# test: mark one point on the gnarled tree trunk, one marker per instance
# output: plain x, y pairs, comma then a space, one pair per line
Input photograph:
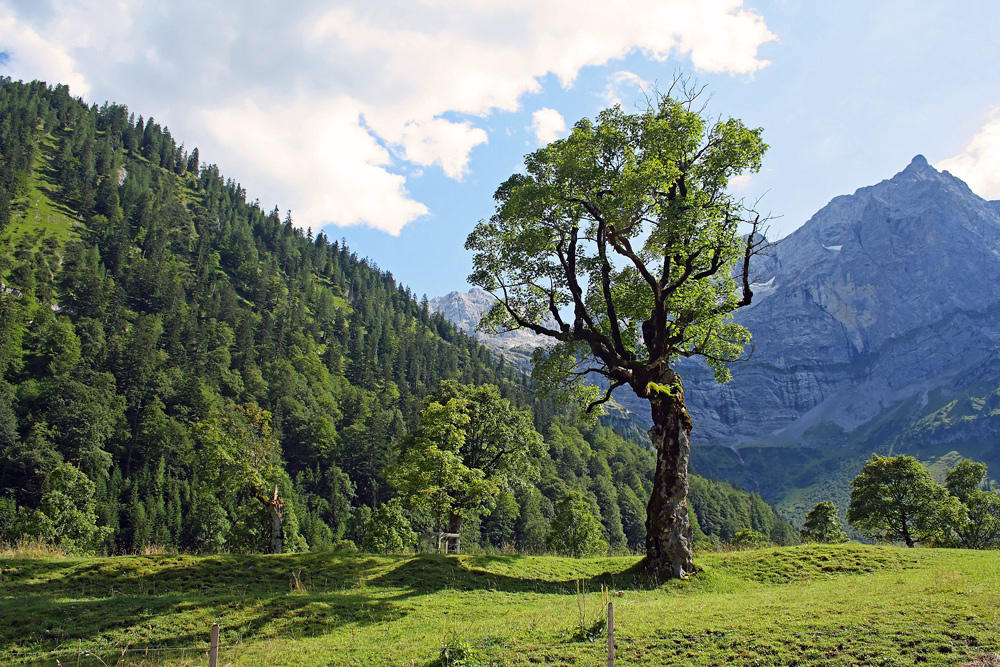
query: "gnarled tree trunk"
669, 541
276, 512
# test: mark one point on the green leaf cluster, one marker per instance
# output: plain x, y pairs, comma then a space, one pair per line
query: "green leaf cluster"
625, 224
979, 527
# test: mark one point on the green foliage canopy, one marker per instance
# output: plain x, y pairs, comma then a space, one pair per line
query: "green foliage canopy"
237, 453
894, 498
979, 528
430, 471
389, 530
620, 242
67, 515
470, 445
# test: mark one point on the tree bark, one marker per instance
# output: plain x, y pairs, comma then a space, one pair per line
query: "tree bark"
906, 531
669, 539
276, 512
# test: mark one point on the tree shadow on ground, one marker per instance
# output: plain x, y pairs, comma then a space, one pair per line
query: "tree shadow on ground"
430, 573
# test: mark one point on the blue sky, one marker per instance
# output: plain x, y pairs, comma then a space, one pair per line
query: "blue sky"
391, 123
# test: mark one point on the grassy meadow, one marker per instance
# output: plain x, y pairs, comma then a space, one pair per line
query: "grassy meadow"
805, 605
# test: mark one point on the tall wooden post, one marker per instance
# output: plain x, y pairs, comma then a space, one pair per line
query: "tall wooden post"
213, 651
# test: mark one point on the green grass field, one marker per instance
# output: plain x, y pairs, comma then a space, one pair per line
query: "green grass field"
807, 605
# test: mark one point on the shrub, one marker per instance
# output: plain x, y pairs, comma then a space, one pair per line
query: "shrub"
747, 539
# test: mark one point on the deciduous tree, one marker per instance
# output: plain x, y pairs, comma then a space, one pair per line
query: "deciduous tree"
894, 498
238, 455
67, 514
574, 530
980, 527
471, 445
623, 245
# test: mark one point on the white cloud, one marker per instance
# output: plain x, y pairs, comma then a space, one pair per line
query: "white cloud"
437, 141
622, 80
31, 56
979, 164
323, 103
321, 157
547, 124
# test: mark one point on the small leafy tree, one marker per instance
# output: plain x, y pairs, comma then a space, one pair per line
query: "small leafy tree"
498, 525
471, 445
532, 526
500, 439
210, 523
980, 528
389, 530
430, 472
574, 530
67, 515
622, 244
748, 539
238, 456
823, 525
895, 499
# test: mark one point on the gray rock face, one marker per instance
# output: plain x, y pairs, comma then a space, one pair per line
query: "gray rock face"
883, 299
464, 309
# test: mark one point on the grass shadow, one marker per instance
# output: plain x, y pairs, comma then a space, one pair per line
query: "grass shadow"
170, 601
433, 572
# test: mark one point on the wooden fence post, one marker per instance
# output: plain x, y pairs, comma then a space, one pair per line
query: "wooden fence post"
611, 634
213, 651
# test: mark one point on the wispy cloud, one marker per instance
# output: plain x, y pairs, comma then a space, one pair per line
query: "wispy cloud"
29, 55
621, 81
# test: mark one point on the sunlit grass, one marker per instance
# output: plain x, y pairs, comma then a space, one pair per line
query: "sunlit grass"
829, 605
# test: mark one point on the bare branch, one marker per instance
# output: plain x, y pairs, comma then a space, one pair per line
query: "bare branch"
526, 324
616, 334
711, 357
756, 243
607, 396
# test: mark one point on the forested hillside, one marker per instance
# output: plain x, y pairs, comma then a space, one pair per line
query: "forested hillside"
145, 302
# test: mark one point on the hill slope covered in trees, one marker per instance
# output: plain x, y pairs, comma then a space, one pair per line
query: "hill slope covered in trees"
145, 300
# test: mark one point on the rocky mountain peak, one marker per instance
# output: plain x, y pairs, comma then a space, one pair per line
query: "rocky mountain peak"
882, 297
465, 309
